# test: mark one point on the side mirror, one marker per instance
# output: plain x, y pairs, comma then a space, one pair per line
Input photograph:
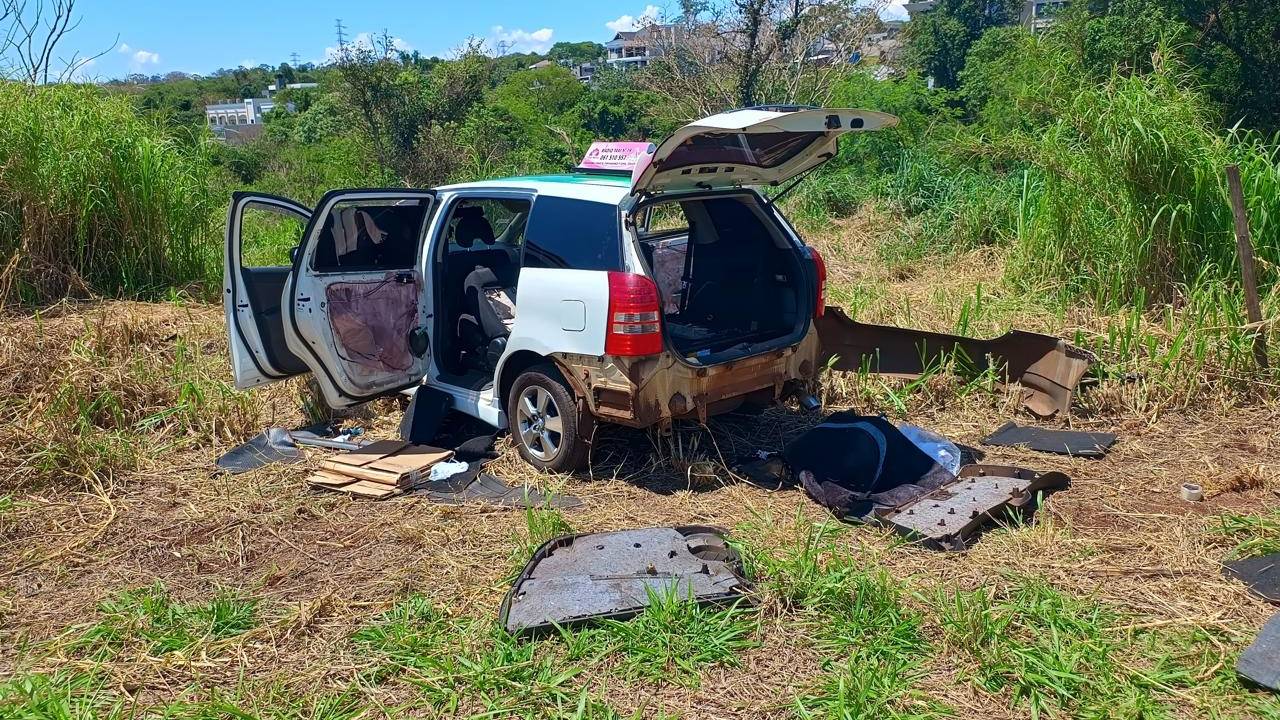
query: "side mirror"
293, 254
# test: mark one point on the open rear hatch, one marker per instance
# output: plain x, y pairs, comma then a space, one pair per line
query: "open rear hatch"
757, 146
733, 280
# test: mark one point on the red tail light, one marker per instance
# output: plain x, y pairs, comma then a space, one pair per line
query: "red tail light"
635, 312
820, 267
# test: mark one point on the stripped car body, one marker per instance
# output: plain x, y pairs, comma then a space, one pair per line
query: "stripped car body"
675, 289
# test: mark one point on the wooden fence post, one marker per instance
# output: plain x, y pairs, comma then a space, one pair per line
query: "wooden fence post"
1244, 247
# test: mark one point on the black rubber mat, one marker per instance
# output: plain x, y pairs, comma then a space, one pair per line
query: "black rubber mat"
1061, 442
1260, 662
1261, 574
273, 445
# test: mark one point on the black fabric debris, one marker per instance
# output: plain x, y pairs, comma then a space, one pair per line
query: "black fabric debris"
1260, 662
479, 447
273, 445
1061, 442
422, 418
852, 463
474, 486
1261, 574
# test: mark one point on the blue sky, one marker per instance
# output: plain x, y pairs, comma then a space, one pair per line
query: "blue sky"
160, 36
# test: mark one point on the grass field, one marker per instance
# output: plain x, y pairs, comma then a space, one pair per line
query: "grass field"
135, 583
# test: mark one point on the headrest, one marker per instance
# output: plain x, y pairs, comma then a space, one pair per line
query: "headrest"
472, 226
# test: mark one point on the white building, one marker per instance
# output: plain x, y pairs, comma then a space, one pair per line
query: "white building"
246, 112
1036, 15
250, 111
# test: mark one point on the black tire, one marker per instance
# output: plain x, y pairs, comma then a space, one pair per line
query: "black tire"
545, 424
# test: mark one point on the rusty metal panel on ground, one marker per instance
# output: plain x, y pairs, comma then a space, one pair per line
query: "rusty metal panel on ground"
947, 518
1047, 368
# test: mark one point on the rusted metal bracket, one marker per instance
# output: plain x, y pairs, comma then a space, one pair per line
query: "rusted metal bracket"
1047, 368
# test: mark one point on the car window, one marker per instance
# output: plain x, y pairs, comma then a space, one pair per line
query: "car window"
663, 219
573, 234
370, 234
766, 150
477, 223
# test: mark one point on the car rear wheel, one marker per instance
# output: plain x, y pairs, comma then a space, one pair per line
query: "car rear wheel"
545, 423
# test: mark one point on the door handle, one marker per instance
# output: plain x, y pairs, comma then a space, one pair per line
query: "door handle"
404, 277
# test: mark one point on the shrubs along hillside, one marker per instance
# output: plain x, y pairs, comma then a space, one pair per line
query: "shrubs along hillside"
95, 199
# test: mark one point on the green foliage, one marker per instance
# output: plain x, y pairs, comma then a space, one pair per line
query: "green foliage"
60, 696
576, 52
1052, 652
149, 618
1252, 535
94, 199
938, 41
674, 638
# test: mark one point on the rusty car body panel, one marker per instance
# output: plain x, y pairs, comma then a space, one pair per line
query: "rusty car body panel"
640, 392
1047, 368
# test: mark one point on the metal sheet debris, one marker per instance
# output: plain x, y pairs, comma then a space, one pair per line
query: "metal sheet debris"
949, 517
1061, 442
1047, 368
580, 578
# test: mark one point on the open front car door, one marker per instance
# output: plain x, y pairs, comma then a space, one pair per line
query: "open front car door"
262, 231
358, 303
757, 146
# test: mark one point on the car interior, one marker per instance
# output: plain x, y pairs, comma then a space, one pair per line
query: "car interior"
477, 274
729, 279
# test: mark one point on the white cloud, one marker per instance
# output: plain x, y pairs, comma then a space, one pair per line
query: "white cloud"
626, 23
894, 10
124, 47
142, 58
520, 41
250, 63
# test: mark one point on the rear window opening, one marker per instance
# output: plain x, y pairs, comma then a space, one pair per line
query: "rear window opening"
731, 282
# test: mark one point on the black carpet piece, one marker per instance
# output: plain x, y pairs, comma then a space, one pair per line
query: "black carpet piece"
1261, 574
1061, 442
273, 445
1260, 662
421, 421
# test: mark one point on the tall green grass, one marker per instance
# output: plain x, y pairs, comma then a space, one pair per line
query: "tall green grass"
1108, 189
95, 200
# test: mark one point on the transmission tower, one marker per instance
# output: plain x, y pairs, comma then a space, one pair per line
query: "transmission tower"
294, 58
342, 36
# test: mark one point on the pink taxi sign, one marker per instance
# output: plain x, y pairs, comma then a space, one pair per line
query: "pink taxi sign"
615, 155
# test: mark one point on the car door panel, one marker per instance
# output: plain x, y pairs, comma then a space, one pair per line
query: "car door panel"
252, 294
358, 310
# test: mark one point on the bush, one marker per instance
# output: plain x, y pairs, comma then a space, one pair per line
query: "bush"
95, 200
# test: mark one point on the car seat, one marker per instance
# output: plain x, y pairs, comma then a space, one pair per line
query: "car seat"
472, 226
490, 303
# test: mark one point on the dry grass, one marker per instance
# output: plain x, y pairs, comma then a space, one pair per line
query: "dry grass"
321, 567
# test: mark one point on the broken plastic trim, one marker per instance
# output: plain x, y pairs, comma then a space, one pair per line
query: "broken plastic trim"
1047, 368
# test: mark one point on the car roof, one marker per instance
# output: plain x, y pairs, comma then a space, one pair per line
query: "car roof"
590, 187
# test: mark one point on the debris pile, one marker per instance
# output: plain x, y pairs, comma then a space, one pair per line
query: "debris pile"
380, 469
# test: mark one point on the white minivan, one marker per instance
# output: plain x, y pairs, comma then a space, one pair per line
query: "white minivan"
546, 304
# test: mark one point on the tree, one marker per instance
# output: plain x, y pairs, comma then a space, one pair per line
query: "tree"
738, 53
406, 115
29, 38
1232, 47
576, 53
938, 41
